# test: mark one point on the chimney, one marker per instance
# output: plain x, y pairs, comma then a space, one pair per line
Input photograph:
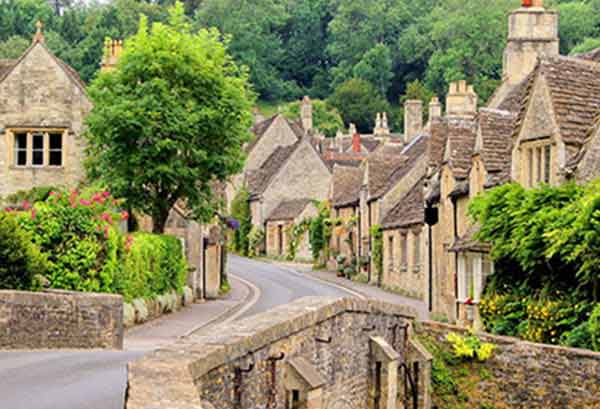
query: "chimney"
461, 100
112, 52
435, 108
356, 142
532, 33
39, 33
413, 119
381, 125
306, 113
352, 129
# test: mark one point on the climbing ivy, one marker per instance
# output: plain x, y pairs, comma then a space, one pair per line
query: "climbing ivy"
377, 239
320, 233
295, 233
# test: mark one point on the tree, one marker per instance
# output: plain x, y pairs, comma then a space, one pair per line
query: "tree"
13, 47
414, 90
325, 118
376, 67
585, 46
170, 120
358, 102
578, 21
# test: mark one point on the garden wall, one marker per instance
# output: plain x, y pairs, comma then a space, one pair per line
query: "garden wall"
60, 319
530, 375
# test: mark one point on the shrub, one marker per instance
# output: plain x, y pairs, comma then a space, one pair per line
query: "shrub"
255, 241
240, 210
326, 118
470, 347
377, 239
20, 258
36, 194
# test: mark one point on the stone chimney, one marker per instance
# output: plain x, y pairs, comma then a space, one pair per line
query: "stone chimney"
435, 108
413, 119
352, 129
461, 99
112, 52
38, 37
532, 33
381, 125
356, 142
306, 113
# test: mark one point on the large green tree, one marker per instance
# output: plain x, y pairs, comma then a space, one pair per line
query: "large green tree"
170, 120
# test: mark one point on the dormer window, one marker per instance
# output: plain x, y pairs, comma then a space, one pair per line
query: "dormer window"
537, 163
38, 148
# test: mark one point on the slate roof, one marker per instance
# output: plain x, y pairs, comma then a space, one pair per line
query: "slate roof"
496, 129
411, 154
258, 180
574, 86
347, 182
469, 243
380, 168
460, 145
369, 142
289, 209
593, 55
6, 66
261, 128
409, 211
512, 100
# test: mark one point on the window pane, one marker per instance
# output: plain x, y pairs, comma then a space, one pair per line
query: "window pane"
21, 158
404, 249
417, 250
21, 140
38, 141
530, 166
55, 158
37, 158
547, 158
538, 152
55, 141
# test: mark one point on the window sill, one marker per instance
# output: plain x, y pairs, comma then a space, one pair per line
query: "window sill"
32, 167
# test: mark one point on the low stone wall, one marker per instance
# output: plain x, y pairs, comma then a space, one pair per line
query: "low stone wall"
142, 310
324, 353
60, 319
530, 375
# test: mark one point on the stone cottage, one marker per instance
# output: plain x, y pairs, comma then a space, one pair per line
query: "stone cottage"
279, 224
43, 103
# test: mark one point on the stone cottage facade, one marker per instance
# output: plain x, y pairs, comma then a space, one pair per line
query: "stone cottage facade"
43, 104
287, 215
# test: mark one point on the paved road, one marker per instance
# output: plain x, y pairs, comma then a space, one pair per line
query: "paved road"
96, 380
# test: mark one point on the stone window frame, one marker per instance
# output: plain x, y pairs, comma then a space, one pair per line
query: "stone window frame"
473, 269
403, 250
416, 251
537, 161
11, 134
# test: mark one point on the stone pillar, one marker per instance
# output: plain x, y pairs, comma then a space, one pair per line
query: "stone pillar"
413, 119
532, 33
461, 99
385, 359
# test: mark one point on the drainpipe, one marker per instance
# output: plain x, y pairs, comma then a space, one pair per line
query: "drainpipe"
431, 219
204, 248
455, 217
359, 238
370, 243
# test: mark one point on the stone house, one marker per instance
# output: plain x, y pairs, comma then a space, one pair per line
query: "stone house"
43, 103
285, 216
539, 127
345, 204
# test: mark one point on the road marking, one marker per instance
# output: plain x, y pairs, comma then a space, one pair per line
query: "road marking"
320, 281
249, 302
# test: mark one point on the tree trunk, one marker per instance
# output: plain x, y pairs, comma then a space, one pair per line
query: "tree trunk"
159, 220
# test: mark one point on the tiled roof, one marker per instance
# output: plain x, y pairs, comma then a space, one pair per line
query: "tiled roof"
289, 209
347, 182
437, 141
496, 129
469, 243
5, 66
460, 145
411, 154
369, 142
258, 180
409, 211
512, 100
574, 86
380, 168
261, 128
593, 55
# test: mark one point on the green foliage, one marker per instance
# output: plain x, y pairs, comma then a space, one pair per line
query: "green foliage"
325, 118
255, 241
320, 233
20, 258
470, 347
578, 21
415, 90
377, 240
37, 194
585, 46
240, 210
152, 265
170, 120
295, 233
358, 101
376, 67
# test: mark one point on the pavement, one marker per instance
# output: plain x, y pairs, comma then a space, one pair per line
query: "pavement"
97, 379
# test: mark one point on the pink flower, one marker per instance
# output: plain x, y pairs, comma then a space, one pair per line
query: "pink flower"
8, 209
85, 202
105, 194
72, 198
33, 214
97, 198
52, 194
26, 205
124, 215
106, 217
128, 243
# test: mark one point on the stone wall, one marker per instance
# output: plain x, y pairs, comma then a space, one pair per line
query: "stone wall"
324, 351
529, 375
60, 319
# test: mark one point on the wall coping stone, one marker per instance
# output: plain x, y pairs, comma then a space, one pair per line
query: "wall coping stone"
505, 340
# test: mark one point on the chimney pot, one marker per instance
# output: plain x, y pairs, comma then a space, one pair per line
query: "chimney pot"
306, 113
356, 142
461, 100
435, 108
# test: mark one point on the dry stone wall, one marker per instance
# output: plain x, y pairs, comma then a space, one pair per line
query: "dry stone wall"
60, 319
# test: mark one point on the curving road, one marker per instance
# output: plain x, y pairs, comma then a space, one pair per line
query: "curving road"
97, 379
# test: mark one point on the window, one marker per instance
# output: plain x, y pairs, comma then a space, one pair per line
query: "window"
403, 251
417, 253
38, 148
294, 402
547, 159
21, 149
37, 157
538, 163
55, 150
391, 251
530, 180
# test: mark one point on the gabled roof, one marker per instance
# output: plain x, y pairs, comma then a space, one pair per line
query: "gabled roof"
289, 209
258, 180
411, 154
409, 211
379, 168
347, 182
495, 139
574, 87
261, 128
512, 100
7, 66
